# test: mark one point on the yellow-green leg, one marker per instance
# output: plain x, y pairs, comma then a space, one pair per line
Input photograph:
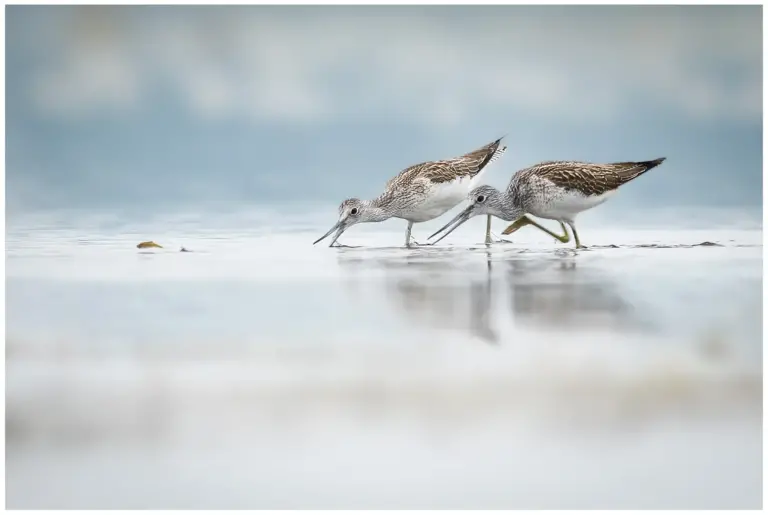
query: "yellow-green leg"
576, 235
522, 222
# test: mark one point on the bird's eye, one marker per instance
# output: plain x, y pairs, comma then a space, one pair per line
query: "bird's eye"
354, 211
481, 198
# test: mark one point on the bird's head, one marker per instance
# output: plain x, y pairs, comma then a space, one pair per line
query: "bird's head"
352, 211
483, 200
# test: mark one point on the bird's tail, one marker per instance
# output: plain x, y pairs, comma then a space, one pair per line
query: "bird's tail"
632, 170
489, 153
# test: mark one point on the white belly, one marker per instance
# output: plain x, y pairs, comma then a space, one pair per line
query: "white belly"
566, 205
441, 198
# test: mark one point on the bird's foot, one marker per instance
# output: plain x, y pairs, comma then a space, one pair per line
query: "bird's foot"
498, 239
414, 243
495, 239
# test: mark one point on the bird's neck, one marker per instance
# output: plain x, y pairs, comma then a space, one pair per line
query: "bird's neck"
511, 209
376, 210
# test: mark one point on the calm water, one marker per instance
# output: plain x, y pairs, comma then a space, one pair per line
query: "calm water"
258, 371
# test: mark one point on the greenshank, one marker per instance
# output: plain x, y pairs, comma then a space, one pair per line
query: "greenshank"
421, 192
554, 190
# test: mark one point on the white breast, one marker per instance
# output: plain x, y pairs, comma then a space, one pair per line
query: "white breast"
441, 198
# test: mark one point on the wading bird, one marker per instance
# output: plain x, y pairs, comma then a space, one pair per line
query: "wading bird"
421, 192
555, 190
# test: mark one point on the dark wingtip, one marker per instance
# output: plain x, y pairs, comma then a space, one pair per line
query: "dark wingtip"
654, 163
491, 149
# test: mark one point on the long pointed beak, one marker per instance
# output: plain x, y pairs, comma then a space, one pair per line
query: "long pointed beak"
324, 236
454, 224
338, 225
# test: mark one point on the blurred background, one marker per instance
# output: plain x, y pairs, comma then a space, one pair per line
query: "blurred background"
153, 106
258, 371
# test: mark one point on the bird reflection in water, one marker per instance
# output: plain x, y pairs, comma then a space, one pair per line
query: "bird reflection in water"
551, 292
430, 292
559, 294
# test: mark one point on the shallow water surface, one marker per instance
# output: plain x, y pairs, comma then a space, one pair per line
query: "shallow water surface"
259, 371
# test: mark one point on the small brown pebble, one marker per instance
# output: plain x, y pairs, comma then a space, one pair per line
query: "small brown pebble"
148, 244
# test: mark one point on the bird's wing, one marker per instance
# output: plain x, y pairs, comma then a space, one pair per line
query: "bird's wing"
590, 178
472, 163
448, 170
406, 177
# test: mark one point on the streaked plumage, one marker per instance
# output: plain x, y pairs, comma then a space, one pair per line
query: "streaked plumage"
421, 192
555, 190
589, 179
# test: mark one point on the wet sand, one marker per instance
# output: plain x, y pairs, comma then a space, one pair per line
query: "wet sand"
258, 371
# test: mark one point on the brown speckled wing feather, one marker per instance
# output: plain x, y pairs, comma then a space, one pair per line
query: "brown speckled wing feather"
448, 170
592, 179
474, 162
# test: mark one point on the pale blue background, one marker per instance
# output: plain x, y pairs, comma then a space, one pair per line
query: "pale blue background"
126, 107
